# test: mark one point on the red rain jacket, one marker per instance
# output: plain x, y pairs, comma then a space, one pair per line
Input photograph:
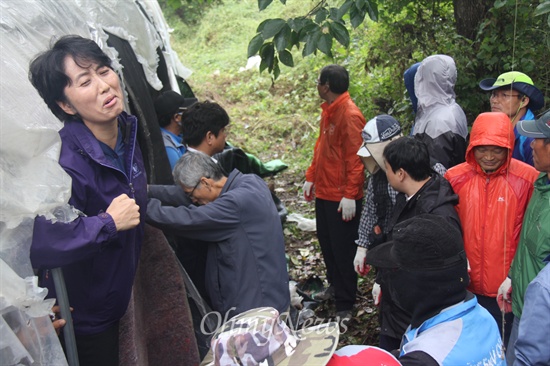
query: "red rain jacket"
491, 206
336, 170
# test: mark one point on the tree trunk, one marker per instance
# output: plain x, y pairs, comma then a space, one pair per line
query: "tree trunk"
469, 14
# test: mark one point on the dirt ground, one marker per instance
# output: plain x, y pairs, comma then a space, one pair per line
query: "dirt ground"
305, 261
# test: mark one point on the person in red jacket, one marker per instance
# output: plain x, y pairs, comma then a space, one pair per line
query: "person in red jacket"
493, 190
335, 178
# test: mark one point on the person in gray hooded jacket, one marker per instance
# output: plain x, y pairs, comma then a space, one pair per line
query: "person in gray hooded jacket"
440, 122
236, 216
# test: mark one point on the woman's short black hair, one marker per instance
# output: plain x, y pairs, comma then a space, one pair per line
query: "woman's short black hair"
47, 70
337, 78
411, 155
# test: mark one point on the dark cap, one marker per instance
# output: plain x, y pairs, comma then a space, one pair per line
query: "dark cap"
380, 129
425, 241
518, 81
538, 129
170, 102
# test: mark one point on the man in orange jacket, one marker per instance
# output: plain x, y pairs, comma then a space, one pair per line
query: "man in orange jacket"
335, 178
493, 190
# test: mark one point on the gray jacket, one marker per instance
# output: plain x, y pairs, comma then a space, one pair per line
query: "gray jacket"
246, 265
440, 121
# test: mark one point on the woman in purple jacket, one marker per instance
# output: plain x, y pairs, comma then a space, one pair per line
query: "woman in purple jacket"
99, 251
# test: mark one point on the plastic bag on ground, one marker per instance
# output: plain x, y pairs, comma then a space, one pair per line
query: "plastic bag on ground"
304, 223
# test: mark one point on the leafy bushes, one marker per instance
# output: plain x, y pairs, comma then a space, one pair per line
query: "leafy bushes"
278, 119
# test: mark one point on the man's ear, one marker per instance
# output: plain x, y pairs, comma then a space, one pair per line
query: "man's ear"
176, 119
524, 101
67, 108
401, 174
209, 137
206, 182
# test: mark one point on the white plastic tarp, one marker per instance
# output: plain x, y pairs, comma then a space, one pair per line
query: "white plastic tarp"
31, 181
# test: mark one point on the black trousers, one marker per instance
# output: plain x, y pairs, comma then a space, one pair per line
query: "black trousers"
490, 303
337, 240
98, 349
389, 343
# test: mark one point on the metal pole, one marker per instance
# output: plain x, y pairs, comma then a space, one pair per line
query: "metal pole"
68, 330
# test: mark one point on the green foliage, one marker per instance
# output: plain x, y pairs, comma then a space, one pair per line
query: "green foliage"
262, 4
542, 9
280, 120
513, 38
316, 31
188, 11
270, 121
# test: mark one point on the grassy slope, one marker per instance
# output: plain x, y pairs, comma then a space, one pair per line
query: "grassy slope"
277, 121
271, 121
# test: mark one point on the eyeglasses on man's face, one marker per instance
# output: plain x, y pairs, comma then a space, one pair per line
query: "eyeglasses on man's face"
499, 94
190, 194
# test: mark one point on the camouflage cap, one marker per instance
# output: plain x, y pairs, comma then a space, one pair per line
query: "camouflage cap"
261, 337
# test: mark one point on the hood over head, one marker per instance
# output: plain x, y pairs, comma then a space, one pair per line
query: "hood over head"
408, 78
491, 128
435, 80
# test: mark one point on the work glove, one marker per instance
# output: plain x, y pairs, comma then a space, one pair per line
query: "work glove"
347, 208
376, 293
504, 295
308, 191
359, 262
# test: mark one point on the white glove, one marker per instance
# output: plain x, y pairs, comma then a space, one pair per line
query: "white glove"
504, 295
308, 191
376, 293
505, 289
359, 261
347, 207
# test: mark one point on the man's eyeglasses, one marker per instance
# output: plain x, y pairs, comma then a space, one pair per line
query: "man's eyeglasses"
190, 194
502, 95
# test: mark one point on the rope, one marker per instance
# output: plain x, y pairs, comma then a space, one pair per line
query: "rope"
503, 321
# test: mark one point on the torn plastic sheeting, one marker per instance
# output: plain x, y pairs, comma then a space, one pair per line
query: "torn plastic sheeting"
304, 223
171, 57
32, 182
25, 325
25, 338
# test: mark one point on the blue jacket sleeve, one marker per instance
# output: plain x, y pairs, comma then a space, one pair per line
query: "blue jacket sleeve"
215, 221
170, 195
173, 156
59, 244
533, 343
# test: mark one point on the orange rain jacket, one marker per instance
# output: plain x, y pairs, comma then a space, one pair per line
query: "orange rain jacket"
336, 170
491, 206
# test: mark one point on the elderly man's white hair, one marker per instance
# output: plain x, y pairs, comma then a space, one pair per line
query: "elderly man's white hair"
192, 166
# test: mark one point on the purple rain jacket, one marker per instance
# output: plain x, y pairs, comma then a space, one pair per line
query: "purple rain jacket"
98, 262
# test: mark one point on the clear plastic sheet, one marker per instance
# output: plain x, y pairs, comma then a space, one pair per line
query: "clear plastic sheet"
31, 181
